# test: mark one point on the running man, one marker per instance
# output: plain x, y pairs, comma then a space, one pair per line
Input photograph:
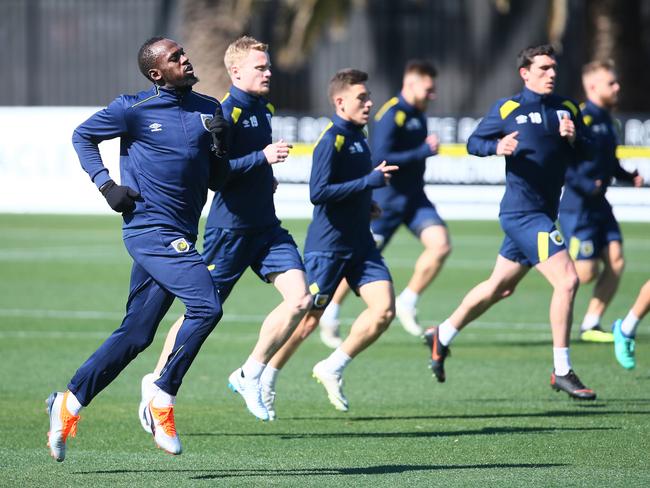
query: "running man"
540, 134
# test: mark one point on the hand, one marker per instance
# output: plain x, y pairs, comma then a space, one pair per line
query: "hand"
121, 198
375, 210
507, 144
386, 170
598, 187
432, 142
637, 179
220, 130
275, 184
567, 128
277, 152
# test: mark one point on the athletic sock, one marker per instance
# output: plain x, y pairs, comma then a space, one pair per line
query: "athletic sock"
561, 361
337, 361
331, 313
630, 322
446, 333
408, 298
252, 368
163, 399
72, 404
590, 321
269, 377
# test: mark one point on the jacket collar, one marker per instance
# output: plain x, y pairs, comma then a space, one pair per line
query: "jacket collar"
530, 96
247, 100
346, 125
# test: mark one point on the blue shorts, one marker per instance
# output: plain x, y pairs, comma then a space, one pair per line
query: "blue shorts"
418, 214
229, 253
589, 232
531, 238
325, 270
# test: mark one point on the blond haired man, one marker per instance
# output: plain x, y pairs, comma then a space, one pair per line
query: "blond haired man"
242, 229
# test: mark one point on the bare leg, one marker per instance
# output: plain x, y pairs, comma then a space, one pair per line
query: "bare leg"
437, 248
642, 304
169, 345
609, 279
302, 331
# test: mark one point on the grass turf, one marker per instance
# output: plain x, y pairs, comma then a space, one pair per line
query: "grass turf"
495, 422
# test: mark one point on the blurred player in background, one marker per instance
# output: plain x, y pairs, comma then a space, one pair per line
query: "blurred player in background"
625, 329
540, 135
586, 217
339, 243
242, 229
399, 136
165, 165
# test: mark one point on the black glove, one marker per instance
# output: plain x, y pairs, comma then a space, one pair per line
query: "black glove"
220, 130
120, 198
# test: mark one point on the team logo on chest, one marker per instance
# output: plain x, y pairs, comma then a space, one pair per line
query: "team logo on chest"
155, 127
355, 148
413, 124
205, 118
252, 122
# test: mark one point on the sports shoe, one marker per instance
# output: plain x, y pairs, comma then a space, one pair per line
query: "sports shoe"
62, 424
408, 318
330, 333
623, 347
571, 384
148, 390
162, 426
251, 392
596, 334
333, 384
268, 399
438, 353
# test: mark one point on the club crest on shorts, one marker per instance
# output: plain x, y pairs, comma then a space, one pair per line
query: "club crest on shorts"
181, 245
205, 118
556, 238
320, 300
587, 248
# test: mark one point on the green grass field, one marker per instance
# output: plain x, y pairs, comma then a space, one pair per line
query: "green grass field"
496, 422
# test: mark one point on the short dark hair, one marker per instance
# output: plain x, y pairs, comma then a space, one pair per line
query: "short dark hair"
344, 78
146, 56
525, 56
421, 67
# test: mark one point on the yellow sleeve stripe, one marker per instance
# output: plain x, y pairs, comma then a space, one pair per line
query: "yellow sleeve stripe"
400, 118
338, 143
314, 288
587, 119
507, 108
270, 108
572, 107
385, 107
327, 127
236, 112
542, 246
574, 247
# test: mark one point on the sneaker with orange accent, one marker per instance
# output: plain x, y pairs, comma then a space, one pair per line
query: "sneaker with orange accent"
438, 353
163, 427
62, 424
571, 384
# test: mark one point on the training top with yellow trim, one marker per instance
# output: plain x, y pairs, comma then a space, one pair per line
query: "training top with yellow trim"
580, 190
245, 201
340, 187
164, 155
398, 137
535, 172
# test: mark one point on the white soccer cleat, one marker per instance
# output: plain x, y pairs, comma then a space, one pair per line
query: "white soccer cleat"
333, 384
408, 318
148, 390
163, 427
330, 333
251, 392
62, 424
268, 399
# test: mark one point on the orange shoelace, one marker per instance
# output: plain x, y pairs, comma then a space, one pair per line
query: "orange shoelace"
165, 417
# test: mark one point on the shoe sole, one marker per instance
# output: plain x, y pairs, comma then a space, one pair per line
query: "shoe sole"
234, 389
571, 395
338, 406
49, 402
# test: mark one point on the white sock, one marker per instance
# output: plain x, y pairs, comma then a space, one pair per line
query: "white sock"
628, 327
408, 298
163, 399
561, 361
331, 313
446, 333
72, 404
269, 377
337, 361
252, 368
590, 321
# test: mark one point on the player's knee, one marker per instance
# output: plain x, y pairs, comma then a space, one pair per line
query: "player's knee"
443, 251
299, 305
212, 312
383, 316
617, 265
568, 284
588, 274
308, 325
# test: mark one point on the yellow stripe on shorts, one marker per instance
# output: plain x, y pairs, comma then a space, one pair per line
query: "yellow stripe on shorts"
542, 246
574, 248
314, 288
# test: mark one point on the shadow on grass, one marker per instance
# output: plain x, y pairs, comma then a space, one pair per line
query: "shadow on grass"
417, 434
367, 470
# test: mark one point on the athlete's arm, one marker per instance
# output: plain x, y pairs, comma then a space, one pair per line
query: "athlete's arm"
384, 135
485, 138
